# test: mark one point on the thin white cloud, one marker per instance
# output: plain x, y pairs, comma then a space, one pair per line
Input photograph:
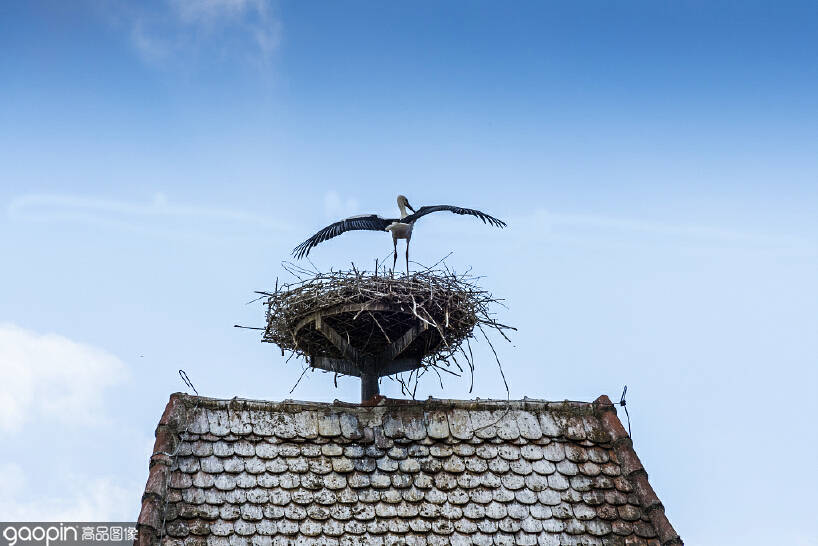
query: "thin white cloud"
591, 225
336, 207
178, 32
543, 225
197, 11
151, 48
553, 220
84, 498
158, 215
50, 376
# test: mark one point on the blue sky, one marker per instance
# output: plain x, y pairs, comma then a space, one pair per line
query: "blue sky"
657, 164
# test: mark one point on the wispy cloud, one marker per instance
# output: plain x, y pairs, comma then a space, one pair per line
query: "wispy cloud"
84, 498
542, 226
176, 32
50, 381
151, 48
613, 228
50, 376
336, 207
596, 223
159, 215
211, 11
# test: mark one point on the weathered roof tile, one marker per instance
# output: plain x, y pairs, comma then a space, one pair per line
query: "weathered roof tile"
437, 425
460, 424
414, 426
507, 428
549, 425
567, 468
529, 425
306, 424
239, 421
554, 452
350, 427
203, 480
483, 424
543, 466
199, 423
393, 425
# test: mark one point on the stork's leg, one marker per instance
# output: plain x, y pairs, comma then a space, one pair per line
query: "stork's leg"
394, 255
407, 257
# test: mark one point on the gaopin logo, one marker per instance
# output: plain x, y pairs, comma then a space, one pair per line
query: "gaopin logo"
67, 534
40, 534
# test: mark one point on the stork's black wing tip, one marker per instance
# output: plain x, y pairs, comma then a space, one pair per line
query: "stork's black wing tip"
496, 222
301, 250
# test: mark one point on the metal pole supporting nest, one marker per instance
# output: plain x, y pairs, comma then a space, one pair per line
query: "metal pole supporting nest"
369, 385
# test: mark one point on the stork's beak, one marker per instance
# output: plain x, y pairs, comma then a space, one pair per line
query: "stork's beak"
408, 206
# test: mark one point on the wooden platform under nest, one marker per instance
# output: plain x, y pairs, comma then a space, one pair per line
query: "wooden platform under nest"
395, 340
370, 324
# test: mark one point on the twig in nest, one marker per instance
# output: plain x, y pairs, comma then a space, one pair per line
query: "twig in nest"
497, 358
304, 371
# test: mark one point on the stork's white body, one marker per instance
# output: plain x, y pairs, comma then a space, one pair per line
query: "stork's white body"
401, 230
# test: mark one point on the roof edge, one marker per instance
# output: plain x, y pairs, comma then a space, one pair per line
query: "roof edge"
633, 470
154, 500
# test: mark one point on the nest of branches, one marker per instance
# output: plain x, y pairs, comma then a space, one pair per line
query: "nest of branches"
373, 309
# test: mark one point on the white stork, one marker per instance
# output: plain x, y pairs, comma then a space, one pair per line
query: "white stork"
401, 228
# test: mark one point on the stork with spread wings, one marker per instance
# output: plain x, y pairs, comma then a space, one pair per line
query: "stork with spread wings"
401, 228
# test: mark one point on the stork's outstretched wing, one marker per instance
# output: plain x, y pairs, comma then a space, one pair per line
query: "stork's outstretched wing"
371, 222
423, 211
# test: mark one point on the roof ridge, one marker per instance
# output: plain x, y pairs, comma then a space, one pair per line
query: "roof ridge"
435, 403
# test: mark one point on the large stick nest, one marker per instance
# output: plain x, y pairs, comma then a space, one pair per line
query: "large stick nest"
373, 309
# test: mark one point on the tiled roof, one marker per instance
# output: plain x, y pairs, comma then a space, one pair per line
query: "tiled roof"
239, 472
